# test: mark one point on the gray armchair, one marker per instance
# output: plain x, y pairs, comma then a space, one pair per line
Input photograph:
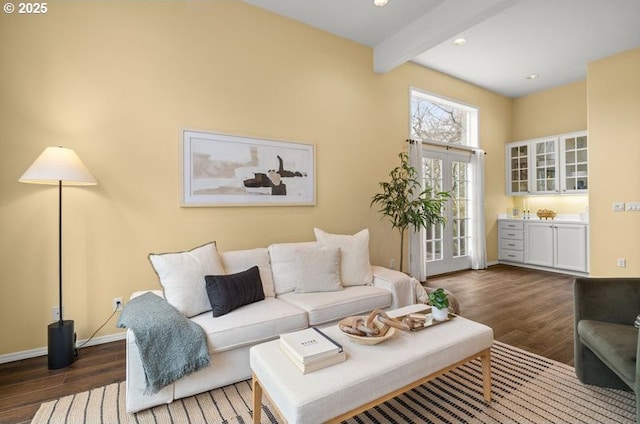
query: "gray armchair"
606, 344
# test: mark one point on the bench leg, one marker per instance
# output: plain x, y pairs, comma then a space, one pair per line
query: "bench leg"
486, 374
257, 399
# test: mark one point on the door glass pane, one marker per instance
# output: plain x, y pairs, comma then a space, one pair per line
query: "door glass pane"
571, 143
433, 180
582, 142
460, 213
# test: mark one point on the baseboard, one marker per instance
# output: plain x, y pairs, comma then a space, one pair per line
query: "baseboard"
42, 351
544, 268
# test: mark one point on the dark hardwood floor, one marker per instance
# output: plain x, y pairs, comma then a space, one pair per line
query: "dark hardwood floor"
529, 309
25, 384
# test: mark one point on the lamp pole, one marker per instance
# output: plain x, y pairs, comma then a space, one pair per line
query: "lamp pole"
60, 321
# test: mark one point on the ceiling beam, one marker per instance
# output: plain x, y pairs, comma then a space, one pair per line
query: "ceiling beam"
448, 19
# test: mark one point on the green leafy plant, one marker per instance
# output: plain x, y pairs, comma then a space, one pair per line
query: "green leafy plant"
406, 204
438, 299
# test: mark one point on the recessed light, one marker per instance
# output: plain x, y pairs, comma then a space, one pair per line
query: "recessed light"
532, 76
460, 41
380, 3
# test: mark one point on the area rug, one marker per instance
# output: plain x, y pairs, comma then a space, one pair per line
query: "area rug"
526, 389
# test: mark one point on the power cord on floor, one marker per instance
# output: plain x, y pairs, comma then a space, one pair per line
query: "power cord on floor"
118, 305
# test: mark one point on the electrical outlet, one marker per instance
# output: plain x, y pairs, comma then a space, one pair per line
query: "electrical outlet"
622, 263
55, 313
117, 304
392, 264
618, 206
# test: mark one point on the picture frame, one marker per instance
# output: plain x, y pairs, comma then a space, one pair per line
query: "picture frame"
229, 170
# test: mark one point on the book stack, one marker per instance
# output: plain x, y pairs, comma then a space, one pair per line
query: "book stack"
311, 349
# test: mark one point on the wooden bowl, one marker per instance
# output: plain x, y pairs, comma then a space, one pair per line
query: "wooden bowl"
371, 340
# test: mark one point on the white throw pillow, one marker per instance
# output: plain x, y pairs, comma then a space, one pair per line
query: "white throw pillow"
318, 271
182, 275
235, 261
284, 258
355, 268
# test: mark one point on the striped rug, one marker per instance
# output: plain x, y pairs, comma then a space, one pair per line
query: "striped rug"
526, 389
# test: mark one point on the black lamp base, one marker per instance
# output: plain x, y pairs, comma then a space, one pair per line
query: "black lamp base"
61, 344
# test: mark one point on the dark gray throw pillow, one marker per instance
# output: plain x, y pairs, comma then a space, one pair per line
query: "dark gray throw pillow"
228, 292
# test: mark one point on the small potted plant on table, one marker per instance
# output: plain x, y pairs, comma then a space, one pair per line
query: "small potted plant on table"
439, 304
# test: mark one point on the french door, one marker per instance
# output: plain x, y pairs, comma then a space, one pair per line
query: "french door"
448, 247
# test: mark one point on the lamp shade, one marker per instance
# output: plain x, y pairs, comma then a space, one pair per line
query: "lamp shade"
55, 165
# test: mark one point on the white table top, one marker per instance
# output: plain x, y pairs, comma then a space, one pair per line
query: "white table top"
369, 371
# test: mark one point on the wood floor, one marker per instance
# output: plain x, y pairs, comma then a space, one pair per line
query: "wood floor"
529, 309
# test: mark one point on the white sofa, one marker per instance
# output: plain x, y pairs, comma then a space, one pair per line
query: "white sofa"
284, 309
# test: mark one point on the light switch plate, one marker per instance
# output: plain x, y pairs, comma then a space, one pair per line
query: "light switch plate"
632, 206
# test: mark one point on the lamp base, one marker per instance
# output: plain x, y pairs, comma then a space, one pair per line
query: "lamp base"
61, 344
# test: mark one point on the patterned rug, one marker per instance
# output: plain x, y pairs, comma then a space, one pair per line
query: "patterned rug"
526, 389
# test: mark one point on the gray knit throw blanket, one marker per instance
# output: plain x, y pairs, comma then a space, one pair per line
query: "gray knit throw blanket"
170, 345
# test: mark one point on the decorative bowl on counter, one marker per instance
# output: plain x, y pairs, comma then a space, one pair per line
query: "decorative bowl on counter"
546, 213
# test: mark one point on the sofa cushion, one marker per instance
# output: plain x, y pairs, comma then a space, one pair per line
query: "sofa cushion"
614, 344
330, 306
318, 271
182, 274
284, 264
254, 323
229, 292
239, 260
355, 269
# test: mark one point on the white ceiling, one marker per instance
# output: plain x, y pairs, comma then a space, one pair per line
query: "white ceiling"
507, 40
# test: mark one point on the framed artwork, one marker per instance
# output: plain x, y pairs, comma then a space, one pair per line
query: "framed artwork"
227, 170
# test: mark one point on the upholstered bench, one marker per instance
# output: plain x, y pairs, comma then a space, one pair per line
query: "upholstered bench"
371, 374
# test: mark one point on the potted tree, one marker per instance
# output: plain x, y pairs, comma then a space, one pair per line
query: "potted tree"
406, 203
439, 304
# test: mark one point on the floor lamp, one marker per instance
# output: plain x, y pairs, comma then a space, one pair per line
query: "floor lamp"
59, 166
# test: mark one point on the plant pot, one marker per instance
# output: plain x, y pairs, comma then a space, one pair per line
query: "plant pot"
439, 314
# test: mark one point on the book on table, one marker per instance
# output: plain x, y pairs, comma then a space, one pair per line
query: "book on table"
309, 345
316, 365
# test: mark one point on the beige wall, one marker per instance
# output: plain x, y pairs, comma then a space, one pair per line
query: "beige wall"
555, 111
614, 156
118, 81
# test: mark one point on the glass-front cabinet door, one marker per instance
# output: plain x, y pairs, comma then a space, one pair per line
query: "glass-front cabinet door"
518, 168
545, 165
551, 165
574, 155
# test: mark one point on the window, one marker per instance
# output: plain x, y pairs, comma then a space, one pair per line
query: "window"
440, 120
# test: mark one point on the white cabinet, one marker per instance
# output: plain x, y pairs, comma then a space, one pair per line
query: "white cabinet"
571, 247
517, 155
550, 165
539, 241
544, 244
511, 235
556, 245
545, 165
574, 163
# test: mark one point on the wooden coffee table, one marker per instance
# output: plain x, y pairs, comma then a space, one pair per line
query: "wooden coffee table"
371, 374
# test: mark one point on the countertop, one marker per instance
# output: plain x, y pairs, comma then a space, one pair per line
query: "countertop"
559, 219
